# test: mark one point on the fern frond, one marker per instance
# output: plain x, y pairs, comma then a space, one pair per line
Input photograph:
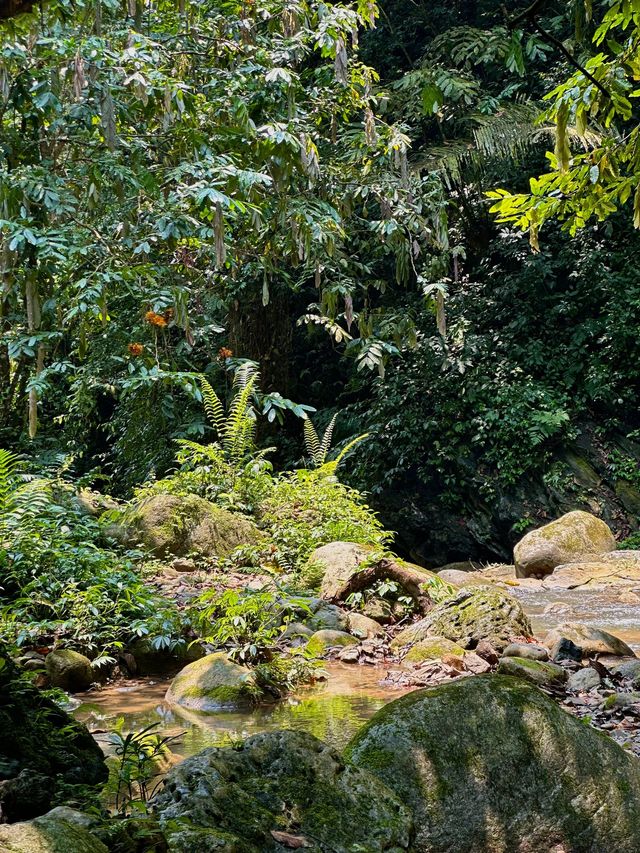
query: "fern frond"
311, 441
9, 463
327, 437
349, 447
236, 428
213, 406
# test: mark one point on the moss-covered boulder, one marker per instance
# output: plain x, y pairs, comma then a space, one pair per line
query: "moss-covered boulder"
69, 670
320, 642
489, 764
42, 749
49, 834
471, 615
180, 525
565, 540
213, 683
592, 641
542, 673
432, 648
277, 787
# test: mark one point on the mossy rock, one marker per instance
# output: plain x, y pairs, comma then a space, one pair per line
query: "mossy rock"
542, 673
432, 648
320, 642
177, 525
490, 764
471, 615
42, 748
213, 683
287, 782
48, 834
69, 670
565, 540
364, 627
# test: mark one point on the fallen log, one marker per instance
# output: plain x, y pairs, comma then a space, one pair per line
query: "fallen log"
411, 581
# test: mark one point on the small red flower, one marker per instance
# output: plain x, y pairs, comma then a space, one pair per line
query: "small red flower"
135, 349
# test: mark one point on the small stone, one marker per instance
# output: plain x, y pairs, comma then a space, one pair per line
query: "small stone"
583, 680
629, 597
629, 669
363, 627
322, 641
526, 650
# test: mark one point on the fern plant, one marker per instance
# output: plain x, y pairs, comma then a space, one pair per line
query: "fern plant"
318, 449
236, 429
21, 497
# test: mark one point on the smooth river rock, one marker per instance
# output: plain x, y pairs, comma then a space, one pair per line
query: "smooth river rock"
565, 540
592, 641
489, 764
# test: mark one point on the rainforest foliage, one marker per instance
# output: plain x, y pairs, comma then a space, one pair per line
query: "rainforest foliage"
418, 217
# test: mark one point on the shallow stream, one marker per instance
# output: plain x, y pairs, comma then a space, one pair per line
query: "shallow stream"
335, 709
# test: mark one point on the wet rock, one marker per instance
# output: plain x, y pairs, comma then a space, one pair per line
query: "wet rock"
363, 627
180, 525
51, 833
213, 683
583, 680
69, 670
538, 672
322, 641
529, 651
350, 654
432, 648
287, 782
513, 772
565, 540
591, 640
472, 615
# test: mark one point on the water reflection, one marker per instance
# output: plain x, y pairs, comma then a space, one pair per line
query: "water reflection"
332, 711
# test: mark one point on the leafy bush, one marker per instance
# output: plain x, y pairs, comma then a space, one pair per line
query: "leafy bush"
60, 581
307, 509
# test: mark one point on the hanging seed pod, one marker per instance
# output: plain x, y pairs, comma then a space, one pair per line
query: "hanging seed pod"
79, 79
341, 63
218, 231
370, 135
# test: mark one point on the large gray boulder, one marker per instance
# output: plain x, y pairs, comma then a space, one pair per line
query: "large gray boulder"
489, 764
471, 615
279, 791
181, 525
565, 540
592, 641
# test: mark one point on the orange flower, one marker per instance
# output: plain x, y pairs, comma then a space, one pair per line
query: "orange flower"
168, 314
224, 352
155, 319
135, 349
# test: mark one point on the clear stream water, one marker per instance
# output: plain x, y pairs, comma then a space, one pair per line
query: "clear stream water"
335, 709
